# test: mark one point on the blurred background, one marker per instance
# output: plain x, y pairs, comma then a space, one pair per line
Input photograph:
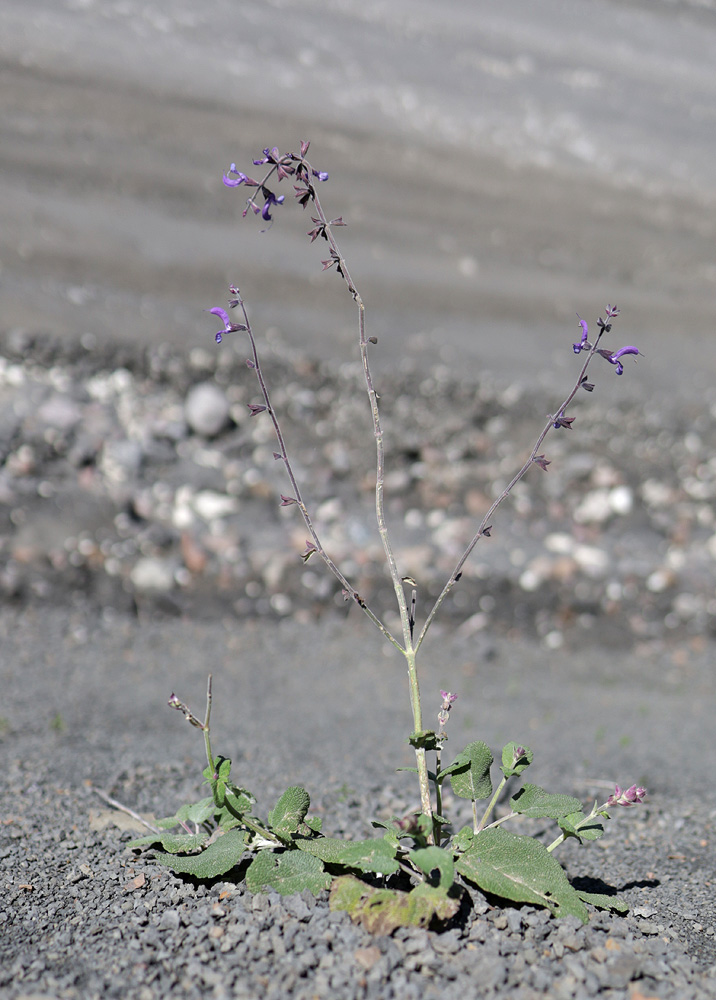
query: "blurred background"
501, 167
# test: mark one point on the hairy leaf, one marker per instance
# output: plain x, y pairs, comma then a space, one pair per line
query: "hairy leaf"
218, 858
470, 772
196, 812
287, 872
428, 859
382, 911
603, 901
463, 838
290, 811
591, 829
520, 868
514, 763
173, 843
364, 855
531, 800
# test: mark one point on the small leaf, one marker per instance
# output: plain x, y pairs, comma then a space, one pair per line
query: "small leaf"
218, 858
591, 828
521, 869
287, 873
463, 838
428, 859
603, 901
290, 811
533, 801
424, 739
472, 779
515, 758
365, 855
196, 812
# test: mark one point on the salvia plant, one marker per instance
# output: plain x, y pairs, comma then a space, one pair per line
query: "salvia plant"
414, 870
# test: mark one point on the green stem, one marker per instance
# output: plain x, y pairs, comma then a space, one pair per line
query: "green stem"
491, 806
206, 727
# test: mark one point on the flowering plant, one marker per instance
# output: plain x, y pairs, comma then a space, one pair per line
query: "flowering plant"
411, 872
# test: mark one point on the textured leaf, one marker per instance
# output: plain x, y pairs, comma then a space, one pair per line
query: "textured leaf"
472, 780
288, 872
428, 859
196, 812
365, 855
218, 858
382, 911
520, 868
603, 901
531, 800
510, 767
290, 810
173, 843
463, 838
591, 830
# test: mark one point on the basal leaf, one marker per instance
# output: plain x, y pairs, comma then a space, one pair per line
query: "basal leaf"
364, 855
290, 810
287, 872
471, 780
520, 868
603, 901
382, 911
515, 758
218, 858
531, 800
428, 859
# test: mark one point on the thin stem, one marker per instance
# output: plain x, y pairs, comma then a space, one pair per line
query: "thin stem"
491, 806
297, 495
207, 728
485, 523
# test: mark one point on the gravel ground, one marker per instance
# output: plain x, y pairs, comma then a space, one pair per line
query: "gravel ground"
137, 479
142, 544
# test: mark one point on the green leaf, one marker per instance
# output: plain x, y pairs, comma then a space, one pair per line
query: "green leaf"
289, 812
428, 859
218, 858
463, 838
521, 869
590, 828
196, 812
514, 763
364, 855
287, 872
472, 779
425, 739
603, 901
531, 800
382, 911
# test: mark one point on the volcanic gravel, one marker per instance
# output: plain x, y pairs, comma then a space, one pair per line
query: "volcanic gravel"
136, 486
138, 480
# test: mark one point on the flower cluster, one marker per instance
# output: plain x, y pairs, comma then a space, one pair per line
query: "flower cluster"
613, 357
626, 796
283, 165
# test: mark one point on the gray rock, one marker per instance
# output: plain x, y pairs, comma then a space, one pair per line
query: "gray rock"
206, 409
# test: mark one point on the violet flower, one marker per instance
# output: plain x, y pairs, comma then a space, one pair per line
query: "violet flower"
271, 200
239, 179
228, 327
613, 359
583, 344
627, 796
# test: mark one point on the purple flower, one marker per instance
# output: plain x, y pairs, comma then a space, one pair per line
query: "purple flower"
561, 421
583, 344
627, 796
271, 200
228, 328
239, 179
320, 175
613, 359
